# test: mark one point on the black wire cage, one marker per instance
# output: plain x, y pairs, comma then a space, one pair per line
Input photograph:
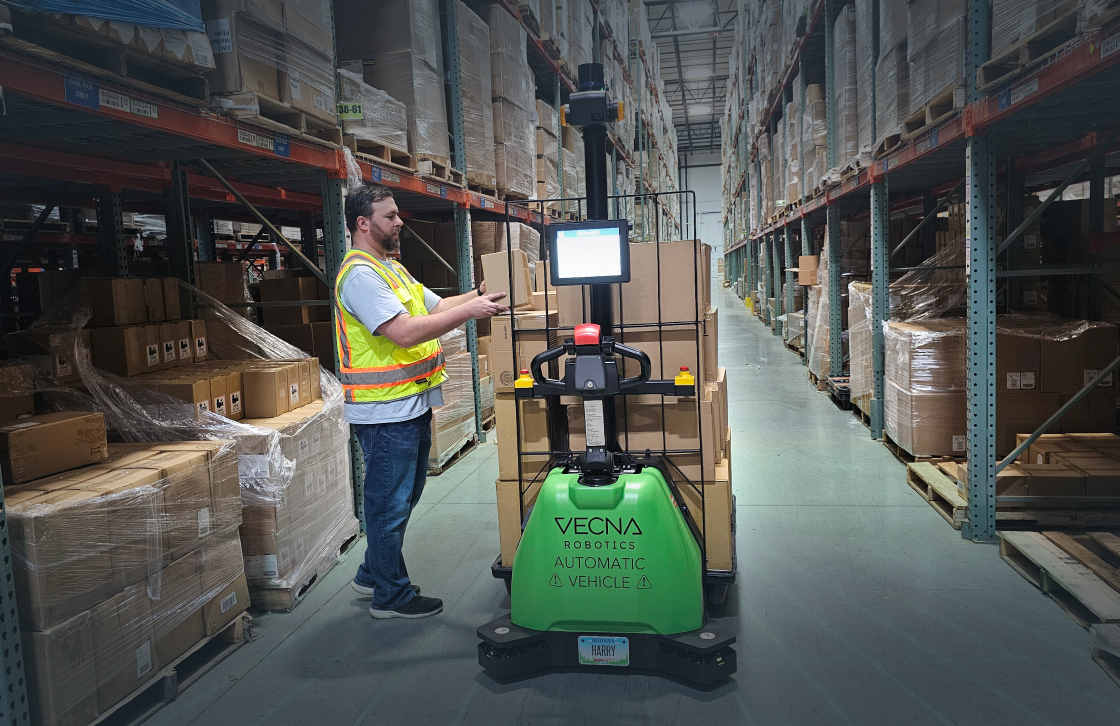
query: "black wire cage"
530, 473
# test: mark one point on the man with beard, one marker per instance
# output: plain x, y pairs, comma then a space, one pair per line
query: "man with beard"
391, 366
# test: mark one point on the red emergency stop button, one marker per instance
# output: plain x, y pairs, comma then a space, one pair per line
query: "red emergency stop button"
587, 334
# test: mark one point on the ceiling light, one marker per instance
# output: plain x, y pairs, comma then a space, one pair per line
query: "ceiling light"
697, 74
699, 109
694, 14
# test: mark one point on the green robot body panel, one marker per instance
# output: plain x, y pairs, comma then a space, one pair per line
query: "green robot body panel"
607, 559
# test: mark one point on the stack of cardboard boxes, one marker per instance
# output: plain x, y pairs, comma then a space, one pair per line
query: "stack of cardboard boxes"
453, 423
1040, 364
298, 505
400, 51
478, 113
121, 567
548, 149
514, 104
272, 56
664, 290
307, 327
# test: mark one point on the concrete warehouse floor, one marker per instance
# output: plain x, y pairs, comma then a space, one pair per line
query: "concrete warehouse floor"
856, 604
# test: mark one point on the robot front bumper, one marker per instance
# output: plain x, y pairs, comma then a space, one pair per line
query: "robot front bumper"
702, 657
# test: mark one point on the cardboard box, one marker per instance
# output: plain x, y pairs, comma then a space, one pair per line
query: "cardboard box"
1018, 363
807, 266
926, 424
1017, 413
926, 357
532, 339
315, 339
172, 305
115, 301
711, 345
18, 406
123, 642
1095, 413
518, 286
61, 671
714, 516
130, 502
196, 392
127, 351
169, 337
266, 391
1101, 472
305, 382
306, 78
289, 289
670, 350
39, 446
234, 397
200, 350
223, 583
177, 614
533, 434
1068, 365
512, 504
219, 402
58, 573
186, 515
153, 300
246, 51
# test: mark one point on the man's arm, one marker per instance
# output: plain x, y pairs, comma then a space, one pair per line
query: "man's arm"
407, 331
453, 302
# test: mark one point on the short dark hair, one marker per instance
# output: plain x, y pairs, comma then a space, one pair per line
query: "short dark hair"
360, 200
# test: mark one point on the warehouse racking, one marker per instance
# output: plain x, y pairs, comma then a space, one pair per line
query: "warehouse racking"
76, 135
1048, 124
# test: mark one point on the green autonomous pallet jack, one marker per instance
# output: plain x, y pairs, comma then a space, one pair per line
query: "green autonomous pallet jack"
609, 573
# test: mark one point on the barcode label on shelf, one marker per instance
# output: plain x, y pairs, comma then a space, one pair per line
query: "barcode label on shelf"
1018, 94
248, 137
432, 189
111, 99
229, 601
143, 108
1110, 45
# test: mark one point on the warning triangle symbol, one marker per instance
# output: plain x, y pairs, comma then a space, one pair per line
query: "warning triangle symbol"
644, 583
555, 581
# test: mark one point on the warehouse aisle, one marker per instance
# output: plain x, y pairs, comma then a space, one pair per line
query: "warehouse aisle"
857, 604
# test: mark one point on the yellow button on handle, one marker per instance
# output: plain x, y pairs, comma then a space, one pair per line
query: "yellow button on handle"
524, 380
684, 378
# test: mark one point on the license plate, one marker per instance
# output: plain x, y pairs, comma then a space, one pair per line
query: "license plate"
599, 651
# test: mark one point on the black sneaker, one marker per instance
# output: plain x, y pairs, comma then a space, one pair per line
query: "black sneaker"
368, 591
417, 607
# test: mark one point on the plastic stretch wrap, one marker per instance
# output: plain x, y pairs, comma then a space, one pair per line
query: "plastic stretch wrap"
817, 322
404, 44
510, 77
181, 14
861, 381
892, 92
815, 127
384, 119
1014, 20
936, 49
865, 70
293, 469
514, 148
478, 116
847, 93
489, 237
453, 423
1094, 12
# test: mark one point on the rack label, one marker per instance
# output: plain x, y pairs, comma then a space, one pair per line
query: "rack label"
82, 92
143, 108
349, 111
1018, 94
114, 100
432, 188
1110, 45
248, 137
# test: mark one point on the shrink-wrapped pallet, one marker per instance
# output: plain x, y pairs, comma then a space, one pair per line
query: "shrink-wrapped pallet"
403, 57
936, 31
478, 115
382, 119
844, 82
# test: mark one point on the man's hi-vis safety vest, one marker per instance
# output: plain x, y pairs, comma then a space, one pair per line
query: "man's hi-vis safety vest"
374, 368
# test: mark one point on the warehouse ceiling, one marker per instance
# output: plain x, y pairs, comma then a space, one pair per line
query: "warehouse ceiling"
695, 38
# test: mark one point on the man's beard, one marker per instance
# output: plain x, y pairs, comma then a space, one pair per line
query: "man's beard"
391, 242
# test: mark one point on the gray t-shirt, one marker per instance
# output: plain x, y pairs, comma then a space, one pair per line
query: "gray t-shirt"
370, 299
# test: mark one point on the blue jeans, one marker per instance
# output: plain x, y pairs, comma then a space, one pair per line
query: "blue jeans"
396, 458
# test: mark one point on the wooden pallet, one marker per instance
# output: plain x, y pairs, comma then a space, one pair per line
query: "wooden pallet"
947, 102
489, 422
482, 184
889, 143
1079, 572
791, 347
1101, 20
180, 674
529, 18
1061, 29
860, 409
839, 391
468, 444
939, 491
439, 168
907, 458
268, 113
820, 384
284, 599
380, 153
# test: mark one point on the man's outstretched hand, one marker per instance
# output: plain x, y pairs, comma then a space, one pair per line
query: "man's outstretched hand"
486, 306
